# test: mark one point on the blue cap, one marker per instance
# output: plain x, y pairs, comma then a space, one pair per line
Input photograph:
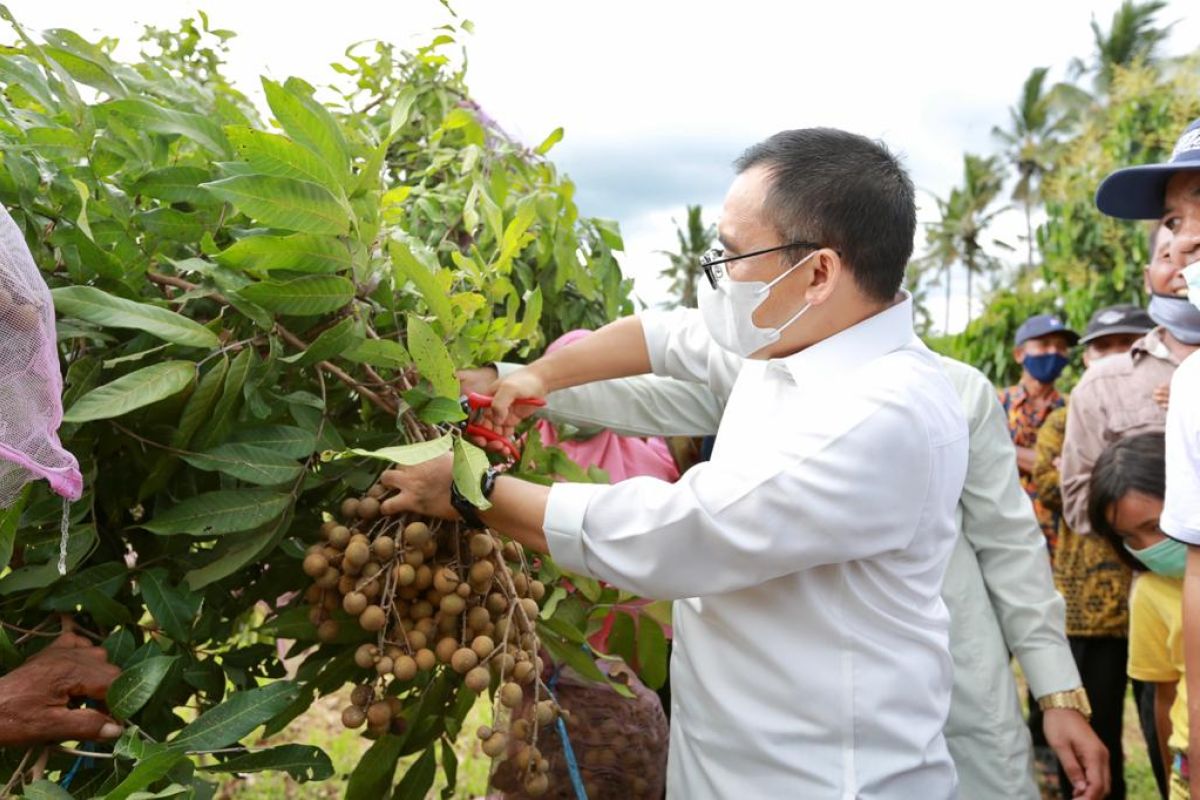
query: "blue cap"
1043, 325
1137, 192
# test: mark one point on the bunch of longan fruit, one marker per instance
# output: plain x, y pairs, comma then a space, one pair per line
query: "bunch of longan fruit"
433, 596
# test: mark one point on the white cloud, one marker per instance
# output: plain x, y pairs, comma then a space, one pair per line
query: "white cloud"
658, 97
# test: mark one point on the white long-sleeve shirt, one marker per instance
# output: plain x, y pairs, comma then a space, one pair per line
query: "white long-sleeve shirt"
811, 648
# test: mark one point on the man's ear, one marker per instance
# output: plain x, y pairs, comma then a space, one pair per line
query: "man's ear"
1019, 353
828, 270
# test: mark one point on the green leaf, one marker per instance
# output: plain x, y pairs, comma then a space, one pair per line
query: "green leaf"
302, 762
176, 185
333, 341
45, 790
413, 262
402, 110
37, 576
450, 768
235, 552
156, 761
106, 310
170, 223
134, 687
306, 121
652, 653
300, 252
247, 462
173, 607
579, 660
431, 357
379, 353
236, 717
554, 138
408, 454
200, 404
272, 154
470, 462
218, 423
133, 391
308, 296
372, 777
533, 314
286, 440
220, 512
286, 203
105, 579
10, 518
147, 116
419, 778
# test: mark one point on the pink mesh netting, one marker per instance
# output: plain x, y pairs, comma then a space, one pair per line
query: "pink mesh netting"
30, 382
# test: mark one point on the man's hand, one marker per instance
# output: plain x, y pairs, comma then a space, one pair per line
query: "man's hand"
505, 413
479, 380
1082, 755
1162, 396
34, 697
421, 489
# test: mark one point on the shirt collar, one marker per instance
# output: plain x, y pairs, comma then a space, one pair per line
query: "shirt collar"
1152, 345
847, 350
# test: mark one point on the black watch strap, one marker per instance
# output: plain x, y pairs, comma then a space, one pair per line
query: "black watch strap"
465, 508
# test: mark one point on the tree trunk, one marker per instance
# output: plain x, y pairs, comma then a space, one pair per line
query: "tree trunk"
1029, 233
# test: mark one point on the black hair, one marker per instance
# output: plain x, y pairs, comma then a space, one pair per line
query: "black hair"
843, 191
1134, 464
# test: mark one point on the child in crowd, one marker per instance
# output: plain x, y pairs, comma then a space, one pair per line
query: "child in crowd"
1124, 506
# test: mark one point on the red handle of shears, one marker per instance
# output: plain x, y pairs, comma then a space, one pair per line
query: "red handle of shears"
476, 401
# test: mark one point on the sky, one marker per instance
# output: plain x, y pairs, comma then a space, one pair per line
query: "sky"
658, 98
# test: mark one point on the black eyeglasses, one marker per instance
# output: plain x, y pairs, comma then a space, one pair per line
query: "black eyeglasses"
712, 260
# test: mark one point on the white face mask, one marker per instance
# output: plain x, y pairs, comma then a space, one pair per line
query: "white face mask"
1191, 274
728, 312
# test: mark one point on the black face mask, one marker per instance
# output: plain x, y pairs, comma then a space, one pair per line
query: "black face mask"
1177, 315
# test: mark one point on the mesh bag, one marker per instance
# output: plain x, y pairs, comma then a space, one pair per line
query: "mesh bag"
30, 383
620, 743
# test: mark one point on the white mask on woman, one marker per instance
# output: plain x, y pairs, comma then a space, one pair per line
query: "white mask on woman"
728, 312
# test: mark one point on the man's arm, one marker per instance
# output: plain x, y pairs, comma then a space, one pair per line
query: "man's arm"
1164, 698
1083, 444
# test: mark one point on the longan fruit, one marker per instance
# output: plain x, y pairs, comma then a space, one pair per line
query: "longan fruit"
329, 601
426, 626
429, 549
372, 619
484, 732
424, 577
545, 713
421, 610
371, 569
417, 534
497, 603
510, 552
478, 618
445, 580
384, 547
495, 745
445, 649
368, 509
453, 604
414, 557
521, 583
315, 565
353, 717
530, 607
523, 672
511, 695
372, 590
447, 624
329, 578
504, 664
520, 729
313, 594
354, 603
364, 656
362, 695
377, 491
463, 590
478, 680
350, 508
339, 536
396, 705
481, 545
483, 646
537, 590
482, 572
404, 574
24, 317
384, 665
464, 660
426, 659
404, 668
357, 554
379, 713
538, 784
346, 584
328, 630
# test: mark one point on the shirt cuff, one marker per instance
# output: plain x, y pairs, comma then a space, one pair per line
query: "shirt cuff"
1049, 670
563, 524
657, 328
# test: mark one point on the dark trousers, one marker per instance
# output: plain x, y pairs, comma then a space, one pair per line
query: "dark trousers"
1101, 661
1143, 695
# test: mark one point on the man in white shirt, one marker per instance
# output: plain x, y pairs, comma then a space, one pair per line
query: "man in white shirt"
809, 553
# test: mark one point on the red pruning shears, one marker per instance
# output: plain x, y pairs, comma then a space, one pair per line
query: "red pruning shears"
472, 402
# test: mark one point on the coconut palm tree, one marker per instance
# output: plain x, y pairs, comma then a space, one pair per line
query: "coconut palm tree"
1032, 140
958, 236
1132, 37
684, 270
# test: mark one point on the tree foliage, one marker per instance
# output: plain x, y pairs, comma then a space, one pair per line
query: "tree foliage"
238, 293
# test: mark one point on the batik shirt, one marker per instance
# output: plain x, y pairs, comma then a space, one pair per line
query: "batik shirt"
1025, 418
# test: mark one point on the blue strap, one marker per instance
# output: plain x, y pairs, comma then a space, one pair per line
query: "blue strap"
568, 752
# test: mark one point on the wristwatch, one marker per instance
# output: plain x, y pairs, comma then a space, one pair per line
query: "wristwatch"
1075, 699
465, 508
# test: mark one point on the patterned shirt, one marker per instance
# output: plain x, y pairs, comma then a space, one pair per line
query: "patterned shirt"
1092, 579
1025, 416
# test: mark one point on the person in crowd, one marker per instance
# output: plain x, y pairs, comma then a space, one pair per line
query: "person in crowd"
1125, 506
35, 697
1169, 194
1042, 346
803, 311
1092, 578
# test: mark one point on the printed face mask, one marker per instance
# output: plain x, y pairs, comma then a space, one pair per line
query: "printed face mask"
1168, 557
1045, 368
728, 312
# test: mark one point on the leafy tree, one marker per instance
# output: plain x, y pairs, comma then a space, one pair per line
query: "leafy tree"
1132, 37
695, 239
235, 299
957, 237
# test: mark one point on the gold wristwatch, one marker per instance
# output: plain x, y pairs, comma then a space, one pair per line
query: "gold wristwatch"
1075, 699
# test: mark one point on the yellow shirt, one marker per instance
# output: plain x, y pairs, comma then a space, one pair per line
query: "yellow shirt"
1156, 643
